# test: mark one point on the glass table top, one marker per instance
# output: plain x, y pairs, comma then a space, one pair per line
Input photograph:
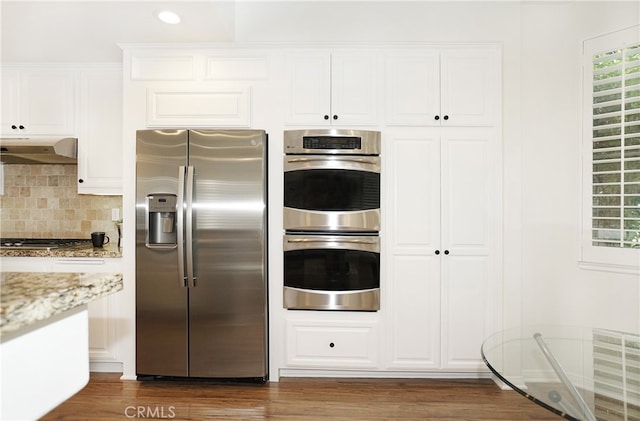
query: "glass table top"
578, 373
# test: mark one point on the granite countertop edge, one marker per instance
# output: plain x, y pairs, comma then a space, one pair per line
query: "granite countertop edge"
30, 297
108, 251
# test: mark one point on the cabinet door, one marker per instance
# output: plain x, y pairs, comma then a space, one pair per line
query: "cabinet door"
10, 111
448, 88
442, 230
332, 88
413, 89
208, 105
100, 139
309, 96
354, 87
470, 232
103, 313
47, 98
102, 332
469, 87
413, 233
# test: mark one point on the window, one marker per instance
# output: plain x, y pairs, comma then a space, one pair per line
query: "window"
611, 211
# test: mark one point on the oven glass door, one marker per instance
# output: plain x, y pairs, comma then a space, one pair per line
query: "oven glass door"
332, 263
332, 193
330, 183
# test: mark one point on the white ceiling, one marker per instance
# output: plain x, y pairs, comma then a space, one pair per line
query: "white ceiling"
90, 30
81, 31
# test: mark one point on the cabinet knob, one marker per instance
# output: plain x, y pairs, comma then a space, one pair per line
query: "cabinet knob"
21, 127
437, 252
446, 117
81, 181
13, 126
436, 117
335, 117
446, 252
326, 117
331, 345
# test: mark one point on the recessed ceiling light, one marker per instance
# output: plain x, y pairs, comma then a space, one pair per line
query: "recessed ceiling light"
167, 16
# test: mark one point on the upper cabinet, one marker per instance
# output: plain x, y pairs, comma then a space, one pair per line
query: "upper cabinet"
198, 88
38, 101
209, 105
332, 88
82, 101
447, 87
100, 131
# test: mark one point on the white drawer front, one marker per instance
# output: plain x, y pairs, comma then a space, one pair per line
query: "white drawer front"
317, 344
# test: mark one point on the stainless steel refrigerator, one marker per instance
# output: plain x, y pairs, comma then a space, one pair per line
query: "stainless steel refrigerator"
201, 257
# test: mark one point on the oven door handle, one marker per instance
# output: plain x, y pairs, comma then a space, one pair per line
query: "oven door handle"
322, 159
306, 241
369, 245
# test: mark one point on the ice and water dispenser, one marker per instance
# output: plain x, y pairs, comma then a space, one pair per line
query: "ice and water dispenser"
161, 220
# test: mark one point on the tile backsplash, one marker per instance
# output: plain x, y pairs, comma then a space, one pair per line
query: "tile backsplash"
42, 201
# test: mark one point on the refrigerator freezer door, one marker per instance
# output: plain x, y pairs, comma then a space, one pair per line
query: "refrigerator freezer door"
227, 314
161, 297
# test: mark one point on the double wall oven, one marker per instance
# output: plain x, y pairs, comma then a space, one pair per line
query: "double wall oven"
332, 219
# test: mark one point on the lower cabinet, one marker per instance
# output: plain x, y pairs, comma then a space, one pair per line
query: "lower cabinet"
103, 313
442, 231
103, 349
331, 344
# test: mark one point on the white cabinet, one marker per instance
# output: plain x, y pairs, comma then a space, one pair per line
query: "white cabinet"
100, 131
38, 101
443, 246
327, 343
199, 88
207, 105
78, 101
331, 345
451, 87
104, 313
332, 88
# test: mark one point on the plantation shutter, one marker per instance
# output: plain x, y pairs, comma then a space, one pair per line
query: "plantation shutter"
615, 210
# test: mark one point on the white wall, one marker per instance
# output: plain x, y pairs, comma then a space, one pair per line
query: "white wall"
554, 288
542, 114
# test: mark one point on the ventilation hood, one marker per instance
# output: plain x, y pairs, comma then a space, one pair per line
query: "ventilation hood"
39, 150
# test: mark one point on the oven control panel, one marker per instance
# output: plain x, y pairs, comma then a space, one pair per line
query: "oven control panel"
331, 141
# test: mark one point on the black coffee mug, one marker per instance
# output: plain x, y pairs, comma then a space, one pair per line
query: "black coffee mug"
98, 239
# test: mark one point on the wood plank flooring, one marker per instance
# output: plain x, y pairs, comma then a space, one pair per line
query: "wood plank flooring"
106, 397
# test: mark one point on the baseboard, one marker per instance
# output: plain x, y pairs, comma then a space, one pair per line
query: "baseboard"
105, 366
382, 374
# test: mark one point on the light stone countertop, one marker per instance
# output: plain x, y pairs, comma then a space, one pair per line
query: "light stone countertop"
29, 297
108, 251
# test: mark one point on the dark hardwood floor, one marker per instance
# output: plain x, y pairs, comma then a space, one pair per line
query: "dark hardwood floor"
106, 397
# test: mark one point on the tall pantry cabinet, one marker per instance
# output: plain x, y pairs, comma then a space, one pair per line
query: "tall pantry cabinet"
443, 213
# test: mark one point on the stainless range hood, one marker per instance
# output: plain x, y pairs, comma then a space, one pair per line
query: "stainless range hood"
39, 150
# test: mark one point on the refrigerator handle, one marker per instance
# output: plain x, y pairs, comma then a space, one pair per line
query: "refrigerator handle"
180, 226
191, 279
